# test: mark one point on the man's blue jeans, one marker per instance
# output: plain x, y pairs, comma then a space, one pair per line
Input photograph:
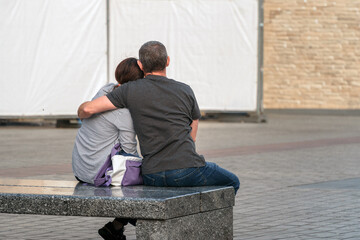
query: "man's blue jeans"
209, 175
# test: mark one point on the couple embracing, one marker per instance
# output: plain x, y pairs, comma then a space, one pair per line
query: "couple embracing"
164, 115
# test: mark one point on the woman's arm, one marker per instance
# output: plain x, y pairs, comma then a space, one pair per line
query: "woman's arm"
194, 125
127, 135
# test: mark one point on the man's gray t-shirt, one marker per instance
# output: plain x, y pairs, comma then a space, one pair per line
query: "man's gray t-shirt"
98, 135
162, 110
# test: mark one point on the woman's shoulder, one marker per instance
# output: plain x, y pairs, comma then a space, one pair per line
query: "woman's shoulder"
119, 115
104, 90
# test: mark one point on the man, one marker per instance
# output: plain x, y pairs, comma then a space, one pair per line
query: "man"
166, 116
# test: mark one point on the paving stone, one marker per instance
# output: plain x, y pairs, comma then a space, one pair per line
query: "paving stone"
268, 204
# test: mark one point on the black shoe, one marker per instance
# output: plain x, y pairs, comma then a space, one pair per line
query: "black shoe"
109, 233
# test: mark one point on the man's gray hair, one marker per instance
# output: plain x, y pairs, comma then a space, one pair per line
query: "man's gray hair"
153, 56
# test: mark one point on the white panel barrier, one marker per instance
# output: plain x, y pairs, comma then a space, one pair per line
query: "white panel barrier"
52, 54
212, 45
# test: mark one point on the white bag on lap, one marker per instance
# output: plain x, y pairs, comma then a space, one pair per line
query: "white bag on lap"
126, 170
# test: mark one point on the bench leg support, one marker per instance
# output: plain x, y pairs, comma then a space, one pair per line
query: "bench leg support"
216, 224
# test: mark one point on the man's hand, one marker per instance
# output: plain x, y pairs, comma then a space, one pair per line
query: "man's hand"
194, 125
101, 104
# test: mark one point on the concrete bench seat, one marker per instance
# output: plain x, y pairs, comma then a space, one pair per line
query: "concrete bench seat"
162, 213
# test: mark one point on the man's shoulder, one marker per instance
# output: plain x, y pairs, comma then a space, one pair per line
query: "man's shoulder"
179, 84
142, 83
183, 86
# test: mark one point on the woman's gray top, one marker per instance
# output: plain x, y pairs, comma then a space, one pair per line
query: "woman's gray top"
98, 135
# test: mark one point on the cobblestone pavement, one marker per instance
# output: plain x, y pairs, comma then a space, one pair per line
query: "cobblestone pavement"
277, 162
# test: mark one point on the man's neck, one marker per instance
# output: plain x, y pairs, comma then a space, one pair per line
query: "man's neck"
158, 73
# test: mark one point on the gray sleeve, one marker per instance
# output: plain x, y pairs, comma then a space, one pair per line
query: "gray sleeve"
104, 90
118, 96
128, 141
127, 136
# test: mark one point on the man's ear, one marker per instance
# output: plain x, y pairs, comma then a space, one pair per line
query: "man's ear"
167, 61
140, 65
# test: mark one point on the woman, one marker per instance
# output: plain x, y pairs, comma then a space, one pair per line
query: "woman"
100, 133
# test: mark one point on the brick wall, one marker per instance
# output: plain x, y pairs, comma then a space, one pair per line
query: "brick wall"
312, 54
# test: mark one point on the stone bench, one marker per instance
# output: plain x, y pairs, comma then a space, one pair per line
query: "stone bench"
162, 213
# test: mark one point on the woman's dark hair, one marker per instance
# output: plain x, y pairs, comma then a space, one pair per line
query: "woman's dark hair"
128, 70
